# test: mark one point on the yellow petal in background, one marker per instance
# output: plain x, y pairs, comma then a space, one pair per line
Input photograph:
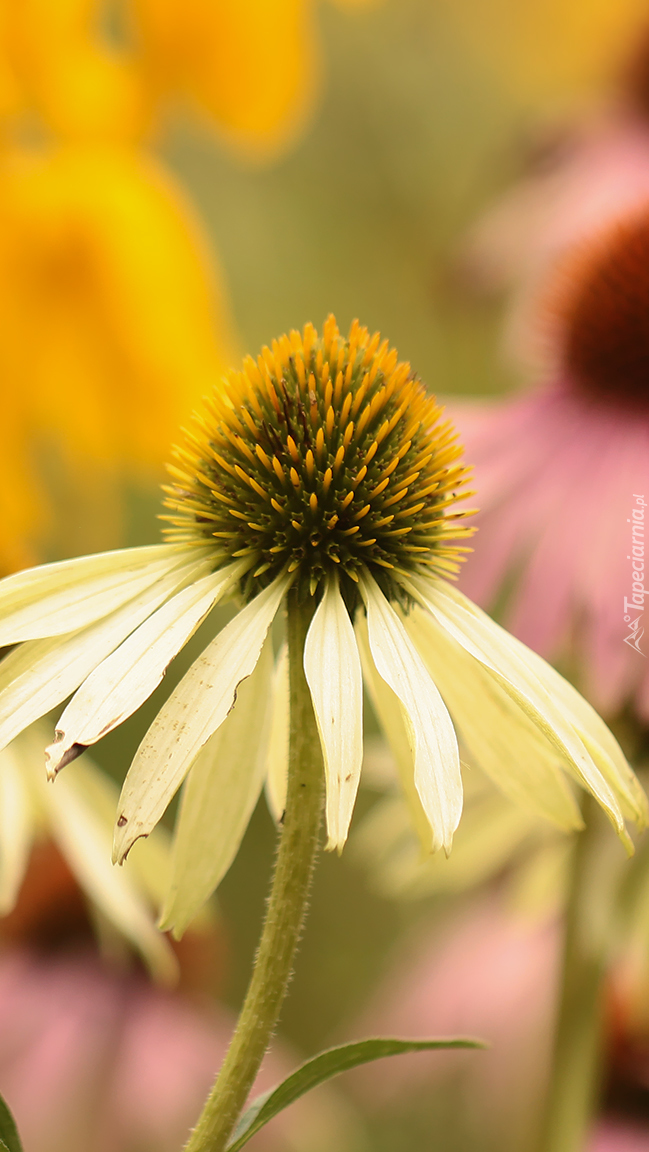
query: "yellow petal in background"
67, 69
492, 833
108, 293
251, 65
351, 4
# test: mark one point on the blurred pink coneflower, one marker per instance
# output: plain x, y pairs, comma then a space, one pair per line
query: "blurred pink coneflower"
562, 474
579, 176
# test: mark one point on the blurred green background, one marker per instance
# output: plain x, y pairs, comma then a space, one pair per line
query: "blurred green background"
361, 218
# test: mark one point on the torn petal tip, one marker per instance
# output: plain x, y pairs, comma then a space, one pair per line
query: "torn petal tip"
121, 847
57, 758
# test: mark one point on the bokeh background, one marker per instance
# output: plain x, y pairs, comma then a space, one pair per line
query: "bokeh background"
179, 183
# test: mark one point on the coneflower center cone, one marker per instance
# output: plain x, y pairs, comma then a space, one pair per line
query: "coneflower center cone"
324, 455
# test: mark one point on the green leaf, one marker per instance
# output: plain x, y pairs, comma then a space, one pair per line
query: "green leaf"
9, 1138
322, 1067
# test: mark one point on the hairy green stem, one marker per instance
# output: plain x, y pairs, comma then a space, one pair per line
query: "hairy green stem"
576, 1066
286, 909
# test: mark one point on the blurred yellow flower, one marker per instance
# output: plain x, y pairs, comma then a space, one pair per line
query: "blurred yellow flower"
251, 65
60, 64
112, 320
110, 315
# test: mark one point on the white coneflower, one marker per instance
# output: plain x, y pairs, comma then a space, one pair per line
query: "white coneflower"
323, 467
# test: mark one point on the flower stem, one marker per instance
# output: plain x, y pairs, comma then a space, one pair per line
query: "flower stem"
576, 1067
286, 909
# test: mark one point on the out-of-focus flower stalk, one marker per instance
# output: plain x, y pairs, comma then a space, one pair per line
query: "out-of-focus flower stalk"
576, 1063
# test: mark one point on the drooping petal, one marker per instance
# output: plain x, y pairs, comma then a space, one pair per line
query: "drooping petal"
437, 763
16, 828
391, 718
278, 738
497, 651
596, 735
84, 840
333, 671
499, 737
149, 865
492, 832
126, 678
39, 674
196, 708
63, 597
218, 799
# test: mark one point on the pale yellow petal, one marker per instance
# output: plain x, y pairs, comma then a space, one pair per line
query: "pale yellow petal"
390, 716
38, 675
596, 735
218, 799
84, 839
333, 671
196, 708
63, 597
497, 735
126, 678
149, 865
492, 834
16, 828
278, 739
492, 646
431, 733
